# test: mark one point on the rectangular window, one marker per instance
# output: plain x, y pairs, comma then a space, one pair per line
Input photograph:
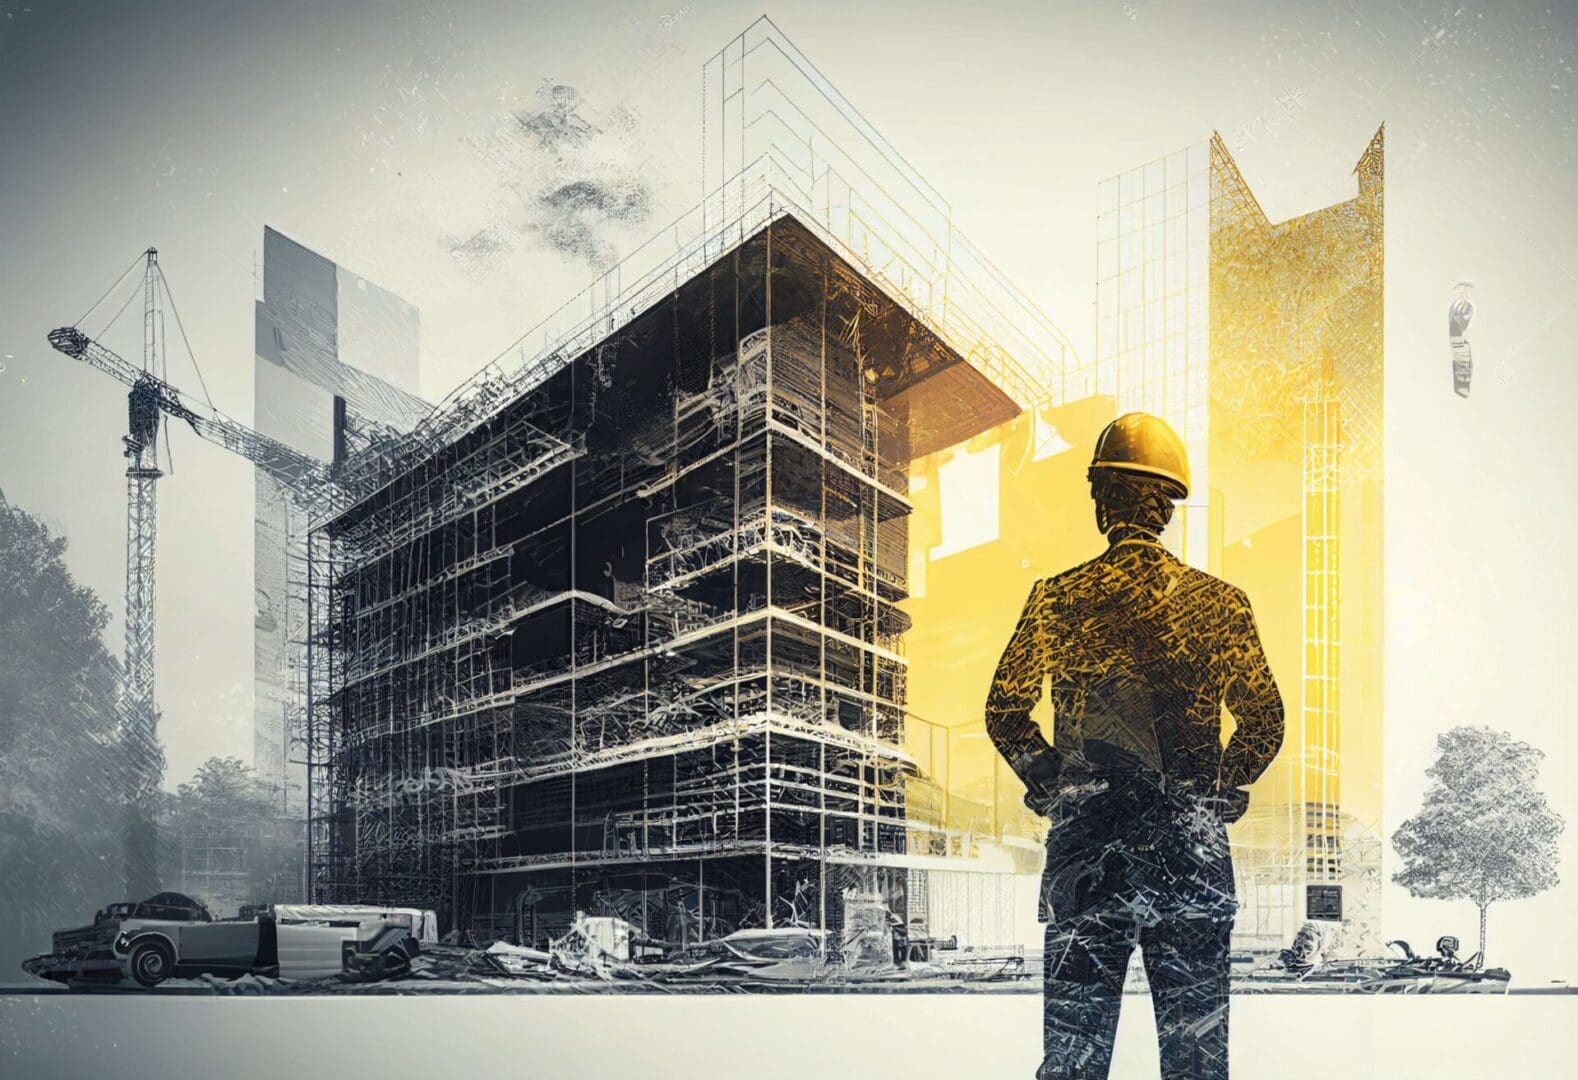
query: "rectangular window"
1107, 195
1155, 177
1130, 187
1048, 441
1176, 166
968, 492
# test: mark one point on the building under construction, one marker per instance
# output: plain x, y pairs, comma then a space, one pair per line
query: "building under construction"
632, 642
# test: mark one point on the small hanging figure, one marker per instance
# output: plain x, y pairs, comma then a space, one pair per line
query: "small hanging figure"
1459, 315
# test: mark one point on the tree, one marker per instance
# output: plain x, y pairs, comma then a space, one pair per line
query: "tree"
229, 843
61, 789
223, 788
1484, 833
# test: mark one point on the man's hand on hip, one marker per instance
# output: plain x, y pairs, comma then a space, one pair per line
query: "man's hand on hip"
1040, 772
1229, 804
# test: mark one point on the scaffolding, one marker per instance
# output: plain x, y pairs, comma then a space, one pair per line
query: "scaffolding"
617, 626
632, 642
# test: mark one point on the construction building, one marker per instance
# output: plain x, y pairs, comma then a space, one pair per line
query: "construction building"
633, 642
1261, 342
620, 627
336, 360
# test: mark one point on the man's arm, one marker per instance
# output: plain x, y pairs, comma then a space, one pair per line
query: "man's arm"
1016, 687
1251, 695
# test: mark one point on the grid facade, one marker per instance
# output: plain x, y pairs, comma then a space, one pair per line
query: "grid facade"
1261, 343
633, 644
1153, 232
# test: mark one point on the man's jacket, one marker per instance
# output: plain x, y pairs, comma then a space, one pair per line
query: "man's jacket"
1140, 653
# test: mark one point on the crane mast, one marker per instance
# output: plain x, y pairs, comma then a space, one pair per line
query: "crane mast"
139, 718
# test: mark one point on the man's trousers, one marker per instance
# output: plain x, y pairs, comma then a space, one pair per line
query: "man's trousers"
1186, 964
1462, 366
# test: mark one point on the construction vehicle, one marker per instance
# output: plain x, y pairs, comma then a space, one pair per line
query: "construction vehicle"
171, 935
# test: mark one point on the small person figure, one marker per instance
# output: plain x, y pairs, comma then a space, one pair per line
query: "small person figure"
1459, 315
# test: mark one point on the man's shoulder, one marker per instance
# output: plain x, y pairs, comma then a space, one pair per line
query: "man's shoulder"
1222, 593
1073, 575
1100, 573
1073, 581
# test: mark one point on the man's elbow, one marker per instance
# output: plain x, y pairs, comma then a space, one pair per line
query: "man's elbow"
1259, 727
1277, 718
999, 723
1265, 726
1007, 724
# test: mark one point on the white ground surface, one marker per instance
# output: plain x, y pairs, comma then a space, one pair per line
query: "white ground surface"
755, 1037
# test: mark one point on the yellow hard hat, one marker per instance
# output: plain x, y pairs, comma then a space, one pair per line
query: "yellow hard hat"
1140, 443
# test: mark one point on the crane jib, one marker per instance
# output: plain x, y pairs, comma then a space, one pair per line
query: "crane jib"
308, 479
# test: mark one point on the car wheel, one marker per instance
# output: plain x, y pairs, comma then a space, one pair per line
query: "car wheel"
151, 963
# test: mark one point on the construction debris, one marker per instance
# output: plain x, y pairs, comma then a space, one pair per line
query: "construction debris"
599, 953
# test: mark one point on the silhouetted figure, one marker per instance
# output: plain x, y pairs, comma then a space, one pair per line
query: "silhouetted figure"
1142, 652
1459, 315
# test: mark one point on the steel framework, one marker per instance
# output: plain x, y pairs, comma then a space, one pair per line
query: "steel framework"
633, 642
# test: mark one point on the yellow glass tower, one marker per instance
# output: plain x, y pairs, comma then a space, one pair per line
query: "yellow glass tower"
1261, 342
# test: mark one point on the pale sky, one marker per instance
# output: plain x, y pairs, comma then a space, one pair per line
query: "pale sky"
355, 127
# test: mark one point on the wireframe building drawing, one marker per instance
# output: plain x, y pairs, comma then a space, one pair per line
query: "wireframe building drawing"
644, 622
619, 627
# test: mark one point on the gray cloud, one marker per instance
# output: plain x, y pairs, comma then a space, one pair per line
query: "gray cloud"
561, 183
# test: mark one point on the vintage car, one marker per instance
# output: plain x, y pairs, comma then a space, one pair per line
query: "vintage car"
1296, 972
172, 935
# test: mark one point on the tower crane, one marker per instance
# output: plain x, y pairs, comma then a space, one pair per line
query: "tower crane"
149, 398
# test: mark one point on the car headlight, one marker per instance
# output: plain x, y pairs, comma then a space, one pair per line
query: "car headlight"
122, 942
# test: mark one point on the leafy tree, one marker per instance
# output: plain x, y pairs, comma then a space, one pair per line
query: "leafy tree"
223, 788
227, 840
1484, 833
61, 785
